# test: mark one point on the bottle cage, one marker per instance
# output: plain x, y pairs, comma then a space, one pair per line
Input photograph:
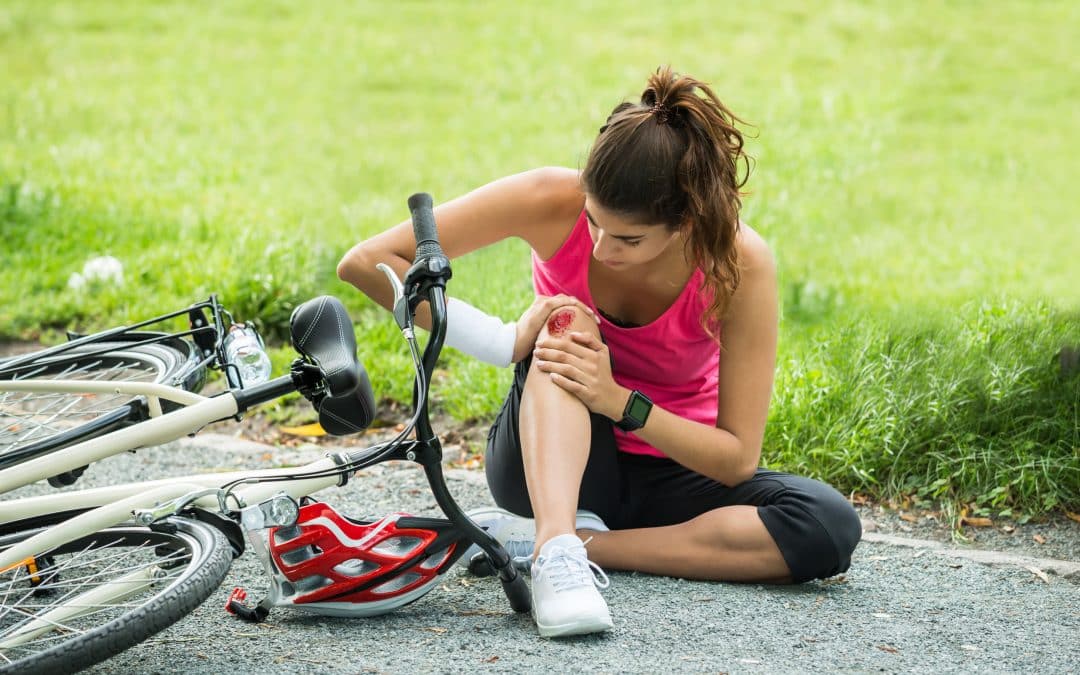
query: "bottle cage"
330, 564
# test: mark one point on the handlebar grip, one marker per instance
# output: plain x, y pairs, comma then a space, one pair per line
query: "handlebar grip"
423, 218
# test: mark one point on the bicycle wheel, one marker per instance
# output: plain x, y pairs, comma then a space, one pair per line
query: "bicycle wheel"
94, 597
35, 423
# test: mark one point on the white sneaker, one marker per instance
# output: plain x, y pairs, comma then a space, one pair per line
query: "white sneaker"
565, 597
517, 534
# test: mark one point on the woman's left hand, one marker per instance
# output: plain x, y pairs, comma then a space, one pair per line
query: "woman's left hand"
580, 364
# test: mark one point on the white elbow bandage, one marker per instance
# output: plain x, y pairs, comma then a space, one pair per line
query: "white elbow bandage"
478, 334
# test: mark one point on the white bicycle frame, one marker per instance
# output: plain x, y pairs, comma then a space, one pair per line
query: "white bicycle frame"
115, 504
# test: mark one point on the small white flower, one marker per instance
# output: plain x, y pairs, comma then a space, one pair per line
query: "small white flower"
104, 268
76, 282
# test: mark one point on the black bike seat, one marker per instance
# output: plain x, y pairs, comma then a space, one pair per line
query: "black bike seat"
323, 332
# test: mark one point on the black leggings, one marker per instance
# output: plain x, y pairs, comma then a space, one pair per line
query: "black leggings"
815, 528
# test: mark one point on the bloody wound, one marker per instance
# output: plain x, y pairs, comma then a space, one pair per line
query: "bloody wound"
560, 321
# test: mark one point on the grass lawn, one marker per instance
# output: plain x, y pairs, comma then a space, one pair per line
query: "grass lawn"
914, 175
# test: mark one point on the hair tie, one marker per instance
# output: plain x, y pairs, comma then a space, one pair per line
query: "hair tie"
666, 114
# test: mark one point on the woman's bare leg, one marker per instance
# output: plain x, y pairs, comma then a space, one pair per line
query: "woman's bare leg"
555, 436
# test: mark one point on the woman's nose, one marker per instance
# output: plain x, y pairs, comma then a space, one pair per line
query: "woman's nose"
601, 247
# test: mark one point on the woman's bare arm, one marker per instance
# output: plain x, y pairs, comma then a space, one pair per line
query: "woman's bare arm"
539, 206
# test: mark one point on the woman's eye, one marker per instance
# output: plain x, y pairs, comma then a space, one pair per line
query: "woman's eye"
632, 243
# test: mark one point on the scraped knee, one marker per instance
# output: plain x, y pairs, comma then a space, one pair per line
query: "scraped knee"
567, 319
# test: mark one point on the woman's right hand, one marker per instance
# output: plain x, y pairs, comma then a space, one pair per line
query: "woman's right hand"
532, 321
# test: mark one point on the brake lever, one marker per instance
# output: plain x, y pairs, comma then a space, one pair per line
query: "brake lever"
402, 316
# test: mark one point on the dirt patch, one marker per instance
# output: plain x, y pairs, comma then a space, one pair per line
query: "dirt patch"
16, 348
1053, 535
462, 442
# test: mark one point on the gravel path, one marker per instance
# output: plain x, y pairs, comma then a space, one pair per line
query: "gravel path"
899, 608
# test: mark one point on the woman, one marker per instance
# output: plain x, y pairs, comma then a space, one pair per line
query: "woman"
644, 367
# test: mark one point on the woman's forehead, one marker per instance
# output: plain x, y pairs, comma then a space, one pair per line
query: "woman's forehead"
612, 221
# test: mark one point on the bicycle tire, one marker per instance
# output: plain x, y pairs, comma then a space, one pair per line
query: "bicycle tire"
34, 424
195, 557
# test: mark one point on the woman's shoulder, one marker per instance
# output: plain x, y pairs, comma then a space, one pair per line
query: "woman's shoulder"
555, 191
755, 256
757, 279
549, 201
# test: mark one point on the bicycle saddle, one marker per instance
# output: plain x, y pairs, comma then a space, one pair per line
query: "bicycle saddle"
322, 331
348, 414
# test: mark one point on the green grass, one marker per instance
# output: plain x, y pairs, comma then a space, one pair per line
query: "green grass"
914, 168
971, 409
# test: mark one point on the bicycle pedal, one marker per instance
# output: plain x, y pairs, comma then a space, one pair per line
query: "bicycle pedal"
480, 566
235, 605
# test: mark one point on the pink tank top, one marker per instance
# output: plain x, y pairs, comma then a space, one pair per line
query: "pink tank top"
672, 360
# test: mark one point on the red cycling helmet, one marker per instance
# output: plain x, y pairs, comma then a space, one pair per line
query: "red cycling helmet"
330, 564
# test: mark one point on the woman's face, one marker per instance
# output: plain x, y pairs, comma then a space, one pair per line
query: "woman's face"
620, 244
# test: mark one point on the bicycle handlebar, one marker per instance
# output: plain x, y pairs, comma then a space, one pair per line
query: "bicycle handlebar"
423, 218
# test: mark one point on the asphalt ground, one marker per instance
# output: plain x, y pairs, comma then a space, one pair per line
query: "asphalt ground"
911, 602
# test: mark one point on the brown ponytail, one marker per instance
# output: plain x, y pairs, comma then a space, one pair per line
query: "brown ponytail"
674, 159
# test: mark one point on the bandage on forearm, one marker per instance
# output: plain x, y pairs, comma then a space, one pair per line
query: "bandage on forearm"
478, 334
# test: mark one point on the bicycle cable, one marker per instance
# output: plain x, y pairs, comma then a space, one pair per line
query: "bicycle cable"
370, 455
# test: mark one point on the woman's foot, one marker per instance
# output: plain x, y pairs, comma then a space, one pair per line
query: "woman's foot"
565, 590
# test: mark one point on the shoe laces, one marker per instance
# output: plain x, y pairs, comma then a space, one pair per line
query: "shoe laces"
520, 551
569, 568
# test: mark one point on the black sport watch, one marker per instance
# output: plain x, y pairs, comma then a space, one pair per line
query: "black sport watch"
636, 412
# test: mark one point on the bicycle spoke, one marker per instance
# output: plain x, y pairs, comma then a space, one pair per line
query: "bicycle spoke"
110, 563
26, 593
66, 594
103, 566
79, 582
32, 417
34, 617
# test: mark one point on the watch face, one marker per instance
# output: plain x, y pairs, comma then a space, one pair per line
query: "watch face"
639, 408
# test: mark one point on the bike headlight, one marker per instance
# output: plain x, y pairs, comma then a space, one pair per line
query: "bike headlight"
281, 510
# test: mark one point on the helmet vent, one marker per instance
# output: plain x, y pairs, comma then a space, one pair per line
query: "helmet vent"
299, 555
396, 584
312, 583
354, 567
435, 559
284, 534
398, 547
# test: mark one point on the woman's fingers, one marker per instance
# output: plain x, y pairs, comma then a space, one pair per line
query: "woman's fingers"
566, 383
587, 340
577, 343
565, 369
554, 302
563, 350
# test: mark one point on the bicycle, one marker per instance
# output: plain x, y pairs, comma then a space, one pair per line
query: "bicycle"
86, 574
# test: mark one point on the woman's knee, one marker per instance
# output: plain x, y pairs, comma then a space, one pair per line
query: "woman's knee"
816, 529
843, 524
567, 319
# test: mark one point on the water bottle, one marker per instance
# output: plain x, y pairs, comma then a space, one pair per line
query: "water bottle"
244, 349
